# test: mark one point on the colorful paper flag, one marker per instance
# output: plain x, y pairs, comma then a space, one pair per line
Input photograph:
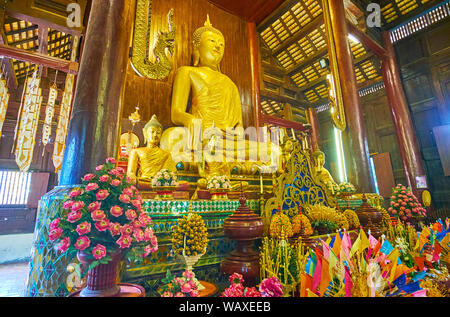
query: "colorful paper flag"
325, 277
348, 283
386, 247
317, 274
337, 244
373, 242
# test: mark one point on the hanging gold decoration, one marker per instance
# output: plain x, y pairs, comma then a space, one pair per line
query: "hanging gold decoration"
49, 111
63, 123
28, 121
334, 80
4, 99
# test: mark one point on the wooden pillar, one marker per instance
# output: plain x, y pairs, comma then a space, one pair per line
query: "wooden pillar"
356, 149
407, 141
254, 65
96, 115
315, 133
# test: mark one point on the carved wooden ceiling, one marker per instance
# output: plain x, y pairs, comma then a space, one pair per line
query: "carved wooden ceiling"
293, 42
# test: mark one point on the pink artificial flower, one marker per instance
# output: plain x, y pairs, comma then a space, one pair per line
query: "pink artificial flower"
102, 225
98, 168
396, 205
136, 203
136, 224
193, 284
54, 224
130, 214
64, 244
399, 201
127, 230
124, 241
76, 192
99, 251
77, 205
91, 186
82, 243
120, 170
74, 216
188, 274
402, 208
116, 211
148, 234
271, 287
235, 290
114, 172
115, 182
394, 212
403, 204
83, 228
103, 178
236, 278
128, 191
54, 234
111, 160
154, 241
128, 179
186, 288
194, 293
144, 219
68, 204
94, 206
88, 177
147, 250
252, 292
390, 209
401, 213
124, 198
167, 294
102, 194
138, 234
98, 215
114, 228
179, 294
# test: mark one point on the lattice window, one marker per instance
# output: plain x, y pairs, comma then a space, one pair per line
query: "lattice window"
271, 107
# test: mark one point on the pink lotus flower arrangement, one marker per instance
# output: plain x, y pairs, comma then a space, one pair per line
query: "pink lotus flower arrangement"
404, 204
184, 286
269, 287
102, 216
164, 178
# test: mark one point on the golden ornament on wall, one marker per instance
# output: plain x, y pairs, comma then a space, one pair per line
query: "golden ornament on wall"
162, 49
4, 99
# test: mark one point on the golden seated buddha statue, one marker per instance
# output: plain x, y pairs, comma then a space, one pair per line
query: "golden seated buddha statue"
213, 121
145, 162
322, 174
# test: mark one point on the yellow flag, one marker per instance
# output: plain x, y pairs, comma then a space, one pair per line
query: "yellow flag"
423, 237
311, 294
393, 257
364, 241
356, 245
328, 240
332, 261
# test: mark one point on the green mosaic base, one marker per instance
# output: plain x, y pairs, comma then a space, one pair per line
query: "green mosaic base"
47, 276
154, 207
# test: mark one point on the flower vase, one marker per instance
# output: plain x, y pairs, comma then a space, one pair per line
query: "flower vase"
164, 192
190, 261
102, 279
219, 194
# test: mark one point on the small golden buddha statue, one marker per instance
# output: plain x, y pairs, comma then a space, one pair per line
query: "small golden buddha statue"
215, 101
322, 174
145, 162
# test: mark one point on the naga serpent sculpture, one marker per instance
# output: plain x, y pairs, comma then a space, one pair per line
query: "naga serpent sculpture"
163, 49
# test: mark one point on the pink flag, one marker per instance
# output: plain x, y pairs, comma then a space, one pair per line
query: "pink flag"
421, 293
326, 250
373, 242
346, 245
317, 275
348, 283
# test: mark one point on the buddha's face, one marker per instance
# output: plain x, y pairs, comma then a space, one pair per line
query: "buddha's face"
211, 48
320, 160
153, 135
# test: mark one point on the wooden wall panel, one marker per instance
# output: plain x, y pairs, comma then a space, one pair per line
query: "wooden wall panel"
385, 176
442, 135
154, 96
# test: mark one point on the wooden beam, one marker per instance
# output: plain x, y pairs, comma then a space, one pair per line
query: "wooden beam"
43, 45
300, 34
308, 61
41, 22
39, 59
268, 119
366, 40
276, 97
286, 5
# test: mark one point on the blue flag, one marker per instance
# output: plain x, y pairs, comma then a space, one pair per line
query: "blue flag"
332, 241
412, 287
419, 276
386, 247
400, 281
